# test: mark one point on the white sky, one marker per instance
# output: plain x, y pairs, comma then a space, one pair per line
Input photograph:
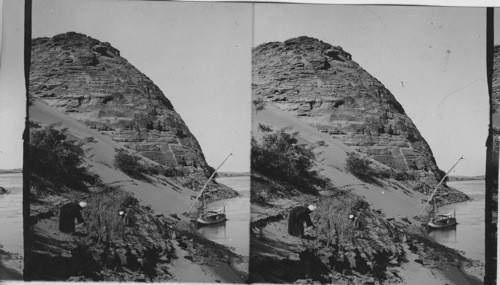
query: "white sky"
438, 53
496, 26
197, 53
12, 92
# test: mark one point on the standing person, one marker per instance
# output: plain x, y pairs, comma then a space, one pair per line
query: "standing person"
127, 218
296, 219
69, 212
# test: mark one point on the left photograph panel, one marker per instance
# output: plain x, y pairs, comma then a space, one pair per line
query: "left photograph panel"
136, 172
12, 118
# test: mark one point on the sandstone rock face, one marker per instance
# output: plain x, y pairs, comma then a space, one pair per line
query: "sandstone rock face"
496, 87
323, 86
496, 74
90, 81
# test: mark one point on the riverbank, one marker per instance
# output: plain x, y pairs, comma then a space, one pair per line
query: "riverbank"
468, 235
11, 265
11, 221
202, 260
234, 232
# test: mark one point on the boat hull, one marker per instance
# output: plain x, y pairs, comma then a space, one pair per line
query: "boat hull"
433, 225
203, 222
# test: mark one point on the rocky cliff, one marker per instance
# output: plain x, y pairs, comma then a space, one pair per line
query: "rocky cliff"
496, 87
309, 95
496, 73
323, 86
89, 81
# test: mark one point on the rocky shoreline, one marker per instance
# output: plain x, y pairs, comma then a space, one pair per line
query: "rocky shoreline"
11, 265
376, 254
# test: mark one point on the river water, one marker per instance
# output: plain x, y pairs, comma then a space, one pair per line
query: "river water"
468, 235
11, 213
235, 232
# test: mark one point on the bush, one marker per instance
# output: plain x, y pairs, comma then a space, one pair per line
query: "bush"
130, 164
151, 259
332, 217
280, 156
58, 159
172, 172
265, 128
359, 167
259, 104
404, 176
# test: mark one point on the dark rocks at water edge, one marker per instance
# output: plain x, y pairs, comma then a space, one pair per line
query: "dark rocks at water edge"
89, 81
496, 83
323, 86
11, 265
16, 170
3, 191
108, 248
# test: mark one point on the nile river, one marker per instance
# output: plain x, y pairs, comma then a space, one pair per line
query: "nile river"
468, 235
11, 213
234, 233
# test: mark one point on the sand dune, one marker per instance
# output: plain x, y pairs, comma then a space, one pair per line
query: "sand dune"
165, 198
395, 200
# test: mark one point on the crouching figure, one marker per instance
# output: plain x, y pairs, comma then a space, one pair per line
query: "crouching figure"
69, 212
296, 219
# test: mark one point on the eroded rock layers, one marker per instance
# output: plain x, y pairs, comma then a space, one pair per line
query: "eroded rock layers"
90, 81
323, 86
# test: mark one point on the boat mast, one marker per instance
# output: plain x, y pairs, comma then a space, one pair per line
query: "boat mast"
206, 183
435, 190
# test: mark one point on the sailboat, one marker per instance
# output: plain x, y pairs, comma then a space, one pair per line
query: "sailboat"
209, 216
439, 221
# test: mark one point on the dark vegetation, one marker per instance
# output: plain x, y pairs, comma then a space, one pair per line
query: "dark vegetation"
55, 157
259, 104
130, 164
108, 242
128, 237
332, 217
279, 156
362, 169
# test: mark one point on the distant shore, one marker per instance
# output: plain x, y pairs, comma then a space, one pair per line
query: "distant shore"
232, 174
16, 170
465, 178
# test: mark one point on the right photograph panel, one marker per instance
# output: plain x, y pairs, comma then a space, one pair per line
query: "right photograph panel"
368, 144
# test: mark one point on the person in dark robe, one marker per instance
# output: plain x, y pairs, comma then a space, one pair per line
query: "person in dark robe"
127, 219
69, 212
296, 219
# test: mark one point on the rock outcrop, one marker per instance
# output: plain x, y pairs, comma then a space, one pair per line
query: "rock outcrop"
323, 86
496, 82
373, 247
89, 81
109, 247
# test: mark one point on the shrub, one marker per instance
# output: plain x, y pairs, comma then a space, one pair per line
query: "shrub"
259, 104
359, 167
265, 128
58, 159
130, 164
332, 217
404, 176
172, 172
151, 259
280, 156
